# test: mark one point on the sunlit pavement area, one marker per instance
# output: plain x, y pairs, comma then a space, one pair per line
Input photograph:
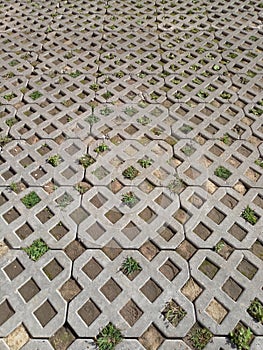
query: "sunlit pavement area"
131, 174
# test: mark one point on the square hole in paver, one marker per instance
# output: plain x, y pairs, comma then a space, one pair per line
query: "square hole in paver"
148, 215
14, 269
25, 162
257, 249
163, 201
232, 289
70, 289
8, 174
196, 200
111, 289
115, 186
247, 269
151, 338
208, 268
146, 186
229, 201
160, 174
112, 249
216, 150
6, 312
131, 312
167, 232
72, 149
216, 311
234, 162
252, 175
186, 249
45, 313
96, 231
149, 250
11, 215
29, 290
38, 173
210, 186
3, 199
89, 312
192, 173
79, 215
45, 215
173, 313
169, 270
68, 173
151, 290
241, 187
258, 201
62, 339
182, 215
44, 149
24, 231
17, 338
100, 173
192, 290
131, 151
98, 200
53, 269
116, 161
238, 232
114, 215
64, 200
59, 231
244, 151
223, 249
131, 231
202, 231
216, 215
92, 269
74, 250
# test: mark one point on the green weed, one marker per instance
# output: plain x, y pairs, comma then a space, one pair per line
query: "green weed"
30, 200
36, 249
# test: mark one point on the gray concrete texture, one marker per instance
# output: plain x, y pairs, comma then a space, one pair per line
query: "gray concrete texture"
136, 127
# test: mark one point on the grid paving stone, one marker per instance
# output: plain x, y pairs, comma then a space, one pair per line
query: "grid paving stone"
25, 302
177, 83
242, 267
120, 292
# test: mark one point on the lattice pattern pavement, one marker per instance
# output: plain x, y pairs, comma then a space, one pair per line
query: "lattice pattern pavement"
131, 173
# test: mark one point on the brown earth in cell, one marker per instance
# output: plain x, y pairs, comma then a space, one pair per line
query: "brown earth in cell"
53, 269
113, 215
186, 250
149, 250
226, 251
191, 290
151, 339
59, 231
74, 250
70, 289
11, 215
92, 269
151, 290
44, 215
111, 290
257, 249
216, 311
3, 249
131, 312
115, 186
232, 289
17, 339
49, 187
169, 270
62, 339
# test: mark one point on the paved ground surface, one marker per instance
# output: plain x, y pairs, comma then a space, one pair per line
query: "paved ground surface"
171, 89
